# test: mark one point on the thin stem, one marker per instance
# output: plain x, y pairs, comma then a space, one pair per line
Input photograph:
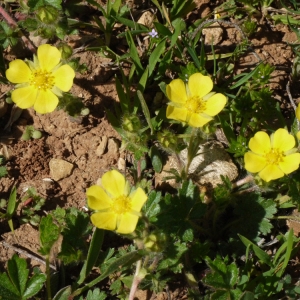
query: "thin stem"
48, 282
136, 280
243, 181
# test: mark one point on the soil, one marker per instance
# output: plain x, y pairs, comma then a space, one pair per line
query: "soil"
76, 140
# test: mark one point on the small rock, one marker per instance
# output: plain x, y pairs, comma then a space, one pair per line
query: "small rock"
60, 169
121, 164
102, 146
213, 34
113, 146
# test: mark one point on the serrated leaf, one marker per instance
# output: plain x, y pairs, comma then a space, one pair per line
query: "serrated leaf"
34, 285
18, 272
49, 233
96, 294
222, 276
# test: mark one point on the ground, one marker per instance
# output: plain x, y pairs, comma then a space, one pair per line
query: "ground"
79, 140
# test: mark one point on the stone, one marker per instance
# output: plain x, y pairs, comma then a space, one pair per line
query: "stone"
206, 168
102, 146
213, 34
113, 146
60, 169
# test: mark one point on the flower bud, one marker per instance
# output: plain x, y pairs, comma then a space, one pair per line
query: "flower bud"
155, 242
167, 139
131, 123
65, 50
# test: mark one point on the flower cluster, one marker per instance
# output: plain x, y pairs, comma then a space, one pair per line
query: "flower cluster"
272, 156
41, 82
115, 207
194, 103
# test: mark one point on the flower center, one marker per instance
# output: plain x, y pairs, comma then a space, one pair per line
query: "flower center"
42, 80
195, 105
121, 205
274, 157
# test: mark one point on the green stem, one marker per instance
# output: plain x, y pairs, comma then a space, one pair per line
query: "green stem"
48, 282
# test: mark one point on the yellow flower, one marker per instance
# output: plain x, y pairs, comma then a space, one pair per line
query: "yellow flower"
41, 82
272, 157
194, 103
115, 208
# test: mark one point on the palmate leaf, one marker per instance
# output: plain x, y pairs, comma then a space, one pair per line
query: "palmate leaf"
181, 211
15, 285
253, 214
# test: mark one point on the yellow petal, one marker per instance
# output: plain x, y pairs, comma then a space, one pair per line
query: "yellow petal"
97, 199
260, 143
270, 172
138, 198
215, 104
282, 140
298, 112
254, 163
46, 102
199, 85
104, 220
24, 97
198, 120
176, 113
114, 183
64, 76
48, 56
290, 163
127, 223
18, 72
176, 91
298, 135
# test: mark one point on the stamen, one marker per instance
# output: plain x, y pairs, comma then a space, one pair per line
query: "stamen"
195, 104
42, 80
121, 205
274, 157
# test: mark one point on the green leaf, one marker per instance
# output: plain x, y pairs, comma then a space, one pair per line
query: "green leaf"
156, 159
127, 259
262, 255
134, 54
222, 276
63, 294
96, 294
49, 233
93, 253
145, 110
7, 290
11, 205
151, 207
34, 285
18, 272
245, 78
155, 55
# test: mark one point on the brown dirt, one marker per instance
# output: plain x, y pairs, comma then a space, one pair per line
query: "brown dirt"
76, 139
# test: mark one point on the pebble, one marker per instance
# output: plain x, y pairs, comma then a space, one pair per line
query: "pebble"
113, 146
102, 146
60, 169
